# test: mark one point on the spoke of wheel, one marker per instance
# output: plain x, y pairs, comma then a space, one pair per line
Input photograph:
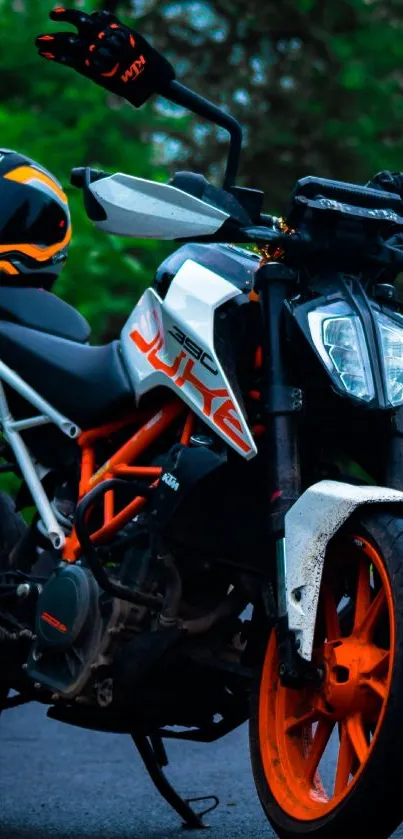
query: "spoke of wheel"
363, 600
318, 745
378, 687
358, 740
331, 616
381, 667
292, 724
344, 762
368, 622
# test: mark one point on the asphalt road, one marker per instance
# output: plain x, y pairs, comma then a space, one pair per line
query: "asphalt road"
58, 782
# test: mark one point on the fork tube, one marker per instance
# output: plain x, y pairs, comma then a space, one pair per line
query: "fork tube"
393, 466
280, 399
281, 402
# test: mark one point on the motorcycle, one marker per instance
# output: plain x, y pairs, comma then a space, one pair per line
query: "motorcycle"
239, 446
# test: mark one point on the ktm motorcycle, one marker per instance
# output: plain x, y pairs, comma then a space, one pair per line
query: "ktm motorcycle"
239, 445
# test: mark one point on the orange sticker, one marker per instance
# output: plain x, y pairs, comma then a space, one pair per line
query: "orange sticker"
61, 627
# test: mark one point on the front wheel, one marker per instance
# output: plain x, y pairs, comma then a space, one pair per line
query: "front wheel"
327, 761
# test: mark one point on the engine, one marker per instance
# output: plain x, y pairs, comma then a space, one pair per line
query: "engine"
98, 650
76, 630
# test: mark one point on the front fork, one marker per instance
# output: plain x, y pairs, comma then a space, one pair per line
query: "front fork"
281, 401
393, 476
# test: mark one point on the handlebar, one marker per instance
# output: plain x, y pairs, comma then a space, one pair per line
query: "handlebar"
333, 246
81, 176
292, 243
338, 251
77, 176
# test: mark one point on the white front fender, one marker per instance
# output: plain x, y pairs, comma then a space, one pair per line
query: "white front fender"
309, 525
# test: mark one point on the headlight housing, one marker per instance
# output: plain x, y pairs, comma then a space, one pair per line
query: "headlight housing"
391, 335
339, 338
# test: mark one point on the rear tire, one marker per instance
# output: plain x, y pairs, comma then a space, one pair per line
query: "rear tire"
360, 700
12, 528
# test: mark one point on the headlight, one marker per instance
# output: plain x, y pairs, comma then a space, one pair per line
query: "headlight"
339, 339
392, 354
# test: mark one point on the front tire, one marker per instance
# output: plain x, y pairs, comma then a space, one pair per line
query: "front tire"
326, 762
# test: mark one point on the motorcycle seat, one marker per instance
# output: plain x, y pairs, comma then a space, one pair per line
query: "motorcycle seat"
87, 384
42, 310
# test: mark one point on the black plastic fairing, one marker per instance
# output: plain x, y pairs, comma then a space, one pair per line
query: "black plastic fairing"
184, 468
237, 334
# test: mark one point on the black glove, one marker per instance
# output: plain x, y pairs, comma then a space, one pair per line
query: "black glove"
388, 181
109, 53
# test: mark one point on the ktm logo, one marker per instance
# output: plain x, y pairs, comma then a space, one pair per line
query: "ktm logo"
170, 481
134, 70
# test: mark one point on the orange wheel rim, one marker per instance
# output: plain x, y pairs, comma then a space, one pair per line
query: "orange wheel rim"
315, 743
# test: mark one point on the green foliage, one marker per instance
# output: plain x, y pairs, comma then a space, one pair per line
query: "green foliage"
318, 85
62, 120
321, 83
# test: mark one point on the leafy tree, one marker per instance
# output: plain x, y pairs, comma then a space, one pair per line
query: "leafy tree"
316, 83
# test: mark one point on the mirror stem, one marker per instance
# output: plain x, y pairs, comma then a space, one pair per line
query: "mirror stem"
181, 95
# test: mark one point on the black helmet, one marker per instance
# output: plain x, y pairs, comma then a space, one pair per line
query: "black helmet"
35, 225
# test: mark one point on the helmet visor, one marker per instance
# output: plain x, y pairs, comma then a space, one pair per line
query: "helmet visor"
29, 216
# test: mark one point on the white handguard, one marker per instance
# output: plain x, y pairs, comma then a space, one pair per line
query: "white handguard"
146, 209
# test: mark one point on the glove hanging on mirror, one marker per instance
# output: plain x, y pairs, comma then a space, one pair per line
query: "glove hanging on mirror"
109, 53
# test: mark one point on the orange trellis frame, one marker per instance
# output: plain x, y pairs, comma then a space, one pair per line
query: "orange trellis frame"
122, 464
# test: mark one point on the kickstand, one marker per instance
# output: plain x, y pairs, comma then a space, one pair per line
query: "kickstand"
152, 752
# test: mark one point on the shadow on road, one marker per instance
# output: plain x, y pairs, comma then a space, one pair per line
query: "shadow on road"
13, 832
58, 782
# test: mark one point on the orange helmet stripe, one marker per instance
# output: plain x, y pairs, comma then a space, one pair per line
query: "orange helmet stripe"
8, 268
25, 174
41, 254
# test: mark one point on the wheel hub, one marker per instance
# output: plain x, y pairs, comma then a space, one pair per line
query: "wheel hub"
348, 665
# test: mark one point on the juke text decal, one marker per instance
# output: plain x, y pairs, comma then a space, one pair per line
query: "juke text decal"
225, 416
